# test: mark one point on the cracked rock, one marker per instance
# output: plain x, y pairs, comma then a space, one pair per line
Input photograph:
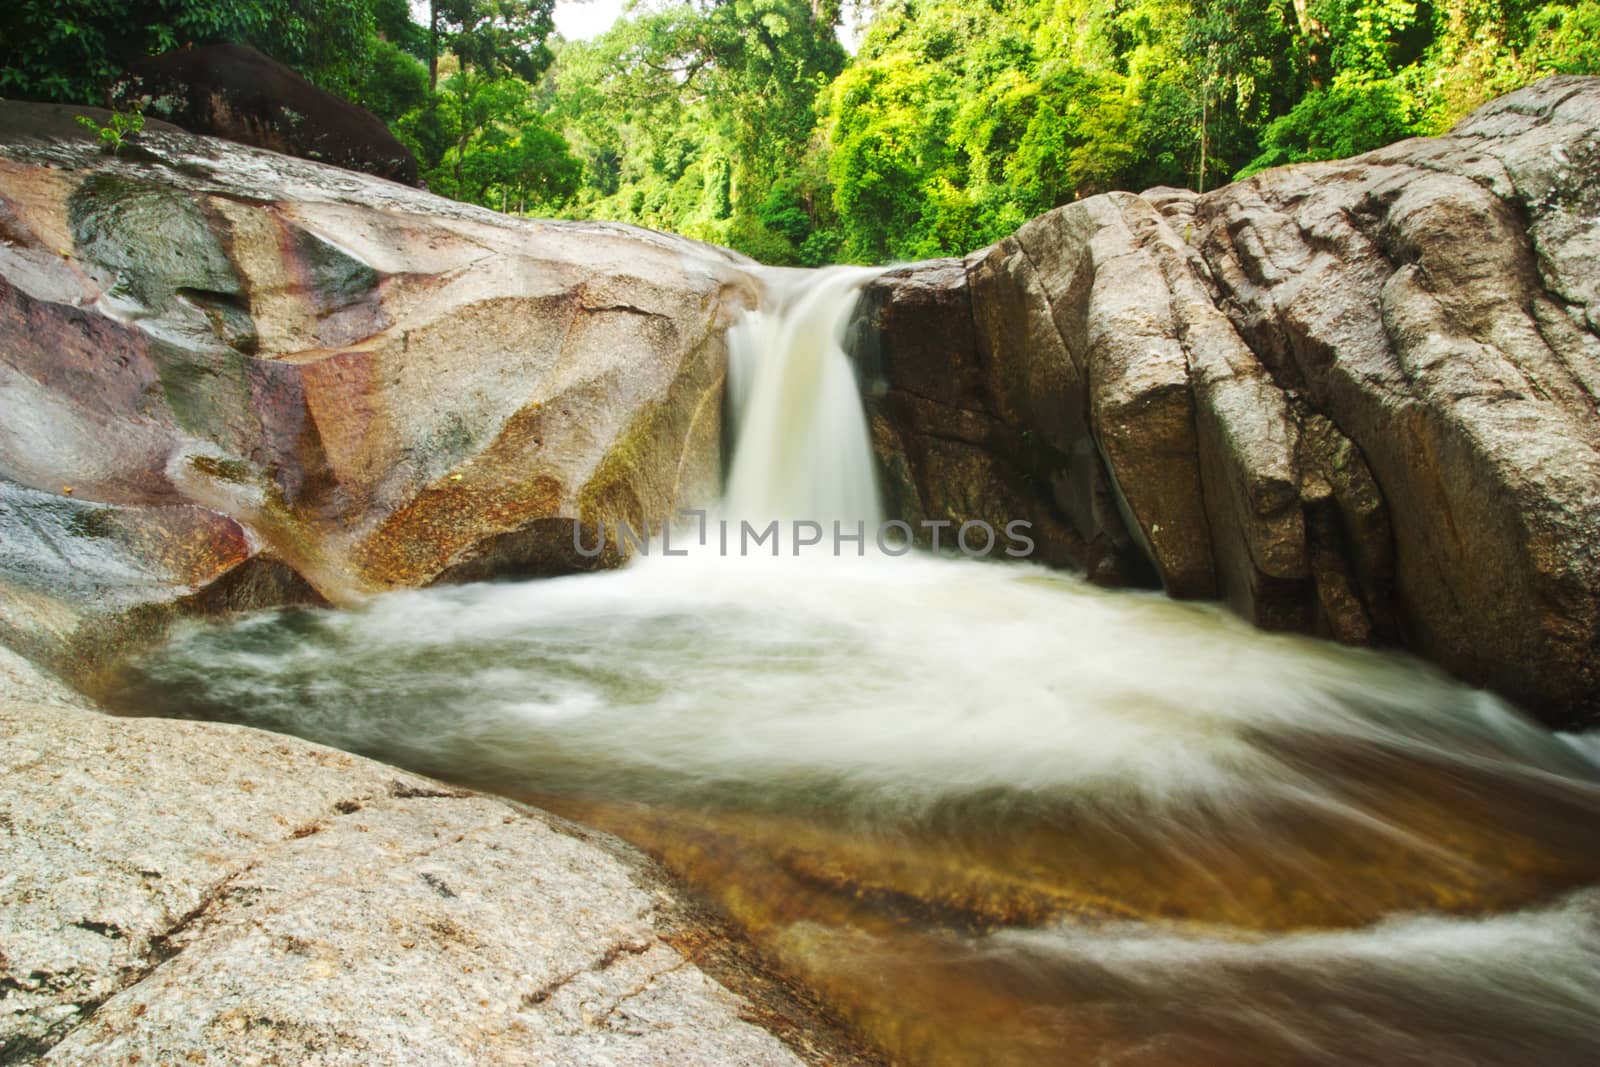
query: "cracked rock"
339, 947
1355, 398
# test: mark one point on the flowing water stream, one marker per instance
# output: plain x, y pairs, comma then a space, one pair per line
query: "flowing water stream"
991, 814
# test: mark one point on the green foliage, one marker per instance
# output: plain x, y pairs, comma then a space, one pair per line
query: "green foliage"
480, 140
395, 84
1565, 38
1346, 119
699, 116
495, 37
1364, 35
73, 50
957, 120
744, 122
114, 134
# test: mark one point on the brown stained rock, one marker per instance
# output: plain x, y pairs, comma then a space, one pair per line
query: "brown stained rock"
1354, 398
1041, 393
1251, 470
1423, 296
84, 585
379, 387
918, 383
1073, 383
431, 533
65, 560
1350, 543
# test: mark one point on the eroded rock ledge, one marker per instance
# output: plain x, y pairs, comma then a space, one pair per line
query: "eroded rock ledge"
1354, 398
177, 889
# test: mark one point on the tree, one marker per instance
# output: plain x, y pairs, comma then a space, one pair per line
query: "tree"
744, 122
73, 50
687, 114
1246, 74
484, 143
1350, 117
1565, 38
496, 37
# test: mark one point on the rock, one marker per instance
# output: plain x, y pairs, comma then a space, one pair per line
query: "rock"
949, 451
234, 379
179, 890
234, 92
1353, 398
86, 581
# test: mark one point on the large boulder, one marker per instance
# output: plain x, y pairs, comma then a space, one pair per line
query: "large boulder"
234, 92
1353, 398
231, 378
184, 892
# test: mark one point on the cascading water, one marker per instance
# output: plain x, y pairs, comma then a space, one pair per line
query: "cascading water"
993, 814
802, 449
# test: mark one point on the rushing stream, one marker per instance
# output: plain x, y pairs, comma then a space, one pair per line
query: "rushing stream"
992, 814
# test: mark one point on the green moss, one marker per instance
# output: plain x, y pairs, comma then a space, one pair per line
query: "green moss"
165, 254
207, 389
227, 470
659, 428
454, 439
93, 522
156, 239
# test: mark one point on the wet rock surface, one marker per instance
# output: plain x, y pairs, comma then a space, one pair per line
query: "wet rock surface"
235, 378
1354, 398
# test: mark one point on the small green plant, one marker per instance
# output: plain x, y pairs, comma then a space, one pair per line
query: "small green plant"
116, 133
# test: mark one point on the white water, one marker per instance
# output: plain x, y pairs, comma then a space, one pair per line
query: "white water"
803, 451
883, 688
895, 682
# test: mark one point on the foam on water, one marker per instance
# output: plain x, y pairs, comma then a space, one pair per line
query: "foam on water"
894, 681
887, 682
889, 689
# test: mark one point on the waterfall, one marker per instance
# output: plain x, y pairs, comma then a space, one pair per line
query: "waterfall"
801, 449
990, 813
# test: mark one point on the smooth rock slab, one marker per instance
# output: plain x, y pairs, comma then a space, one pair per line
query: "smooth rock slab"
192, 892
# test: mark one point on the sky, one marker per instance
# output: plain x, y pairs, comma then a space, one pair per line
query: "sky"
576, 20
579, 21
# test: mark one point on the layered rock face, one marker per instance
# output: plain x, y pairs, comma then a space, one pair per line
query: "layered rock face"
231, 378
187, 892
1353, 398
